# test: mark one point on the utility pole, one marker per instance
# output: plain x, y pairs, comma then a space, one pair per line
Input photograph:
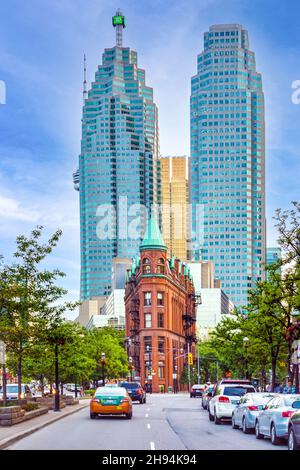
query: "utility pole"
189, 367
198, 364
2, 358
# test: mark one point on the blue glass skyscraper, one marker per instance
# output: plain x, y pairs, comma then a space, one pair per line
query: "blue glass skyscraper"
117, 174
228, 160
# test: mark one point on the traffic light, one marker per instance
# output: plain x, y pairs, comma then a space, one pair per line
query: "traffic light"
190, 358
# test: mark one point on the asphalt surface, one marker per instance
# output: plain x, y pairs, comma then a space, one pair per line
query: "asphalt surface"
165, 422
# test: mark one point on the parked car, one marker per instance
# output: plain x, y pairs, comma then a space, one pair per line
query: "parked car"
225, 397
111, 401
197, 390
294, 429
12, 392
273, 421
206, 396
135, 391
244, 415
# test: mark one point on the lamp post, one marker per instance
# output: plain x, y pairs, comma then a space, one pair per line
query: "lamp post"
57, 340
2, 359
246, 339
296, 341
150, 367
103, 362
130, 367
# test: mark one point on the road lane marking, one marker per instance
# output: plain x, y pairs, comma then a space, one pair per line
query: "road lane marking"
148, 409
148, 426
152, 446
146, 415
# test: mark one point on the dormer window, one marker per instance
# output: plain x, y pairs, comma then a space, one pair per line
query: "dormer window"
146, 266
161, 266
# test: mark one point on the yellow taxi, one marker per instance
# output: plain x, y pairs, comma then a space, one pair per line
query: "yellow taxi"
111, 401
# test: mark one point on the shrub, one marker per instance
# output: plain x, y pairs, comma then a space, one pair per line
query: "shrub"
89, 392
30, 406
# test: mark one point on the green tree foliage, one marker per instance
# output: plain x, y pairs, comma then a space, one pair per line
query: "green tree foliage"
29, 296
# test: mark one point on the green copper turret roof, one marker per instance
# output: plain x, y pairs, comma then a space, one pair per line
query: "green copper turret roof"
153, 239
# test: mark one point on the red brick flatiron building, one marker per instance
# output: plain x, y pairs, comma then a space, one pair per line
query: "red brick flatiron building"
160, 314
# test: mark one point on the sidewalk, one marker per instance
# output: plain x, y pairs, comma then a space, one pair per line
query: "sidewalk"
9, 435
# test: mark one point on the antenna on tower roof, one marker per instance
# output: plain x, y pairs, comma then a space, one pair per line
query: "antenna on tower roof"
84, 79
118, 21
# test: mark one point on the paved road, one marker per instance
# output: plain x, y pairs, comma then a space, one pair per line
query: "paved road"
165, 422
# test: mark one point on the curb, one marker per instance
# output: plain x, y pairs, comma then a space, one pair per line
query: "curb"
11, 440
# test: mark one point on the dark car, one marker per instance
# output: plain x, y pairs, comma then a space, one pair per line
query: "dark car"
135, 391
294, 428
197, 390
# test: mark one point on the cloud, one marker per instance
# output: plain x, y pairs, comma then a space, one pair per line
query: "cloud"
12, 208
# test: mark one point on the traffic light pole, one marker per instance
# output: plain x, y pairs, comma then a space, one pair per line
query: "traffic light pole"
189, 367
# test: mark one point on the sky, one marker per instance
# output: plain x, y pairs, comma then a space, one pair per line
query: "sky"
42, 43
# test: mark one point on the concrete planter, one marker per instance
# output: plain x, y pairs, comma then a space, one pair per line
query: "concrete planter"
14, 414
11, 415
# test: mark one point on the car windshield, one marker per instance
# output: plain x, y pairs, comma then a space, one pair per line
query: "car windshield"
12, 388
289, 399
110, 391
237, 391
131, 385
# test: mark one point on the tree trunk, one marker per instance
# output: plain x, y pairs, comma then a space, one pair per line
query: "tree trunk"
19, 376
273, 367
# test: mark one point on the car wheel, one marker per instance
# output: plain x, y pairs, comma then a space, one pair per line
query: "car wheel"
274, 439
292, 443
233, 425
258, 435
93, 415
129, 415
245, 428
216, 419
210, 416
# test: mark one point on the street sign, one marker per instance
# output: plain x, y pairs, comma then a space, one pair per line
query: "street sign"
149, 377
174, 376
190, 357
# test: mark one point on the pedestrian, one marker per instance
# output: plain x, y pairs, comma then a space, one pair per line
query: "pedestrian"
269, 388
289, 388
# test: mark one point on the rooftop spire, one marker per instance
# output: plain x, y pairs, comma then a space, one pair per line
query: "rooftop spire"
84, 79
118, 21
153, 238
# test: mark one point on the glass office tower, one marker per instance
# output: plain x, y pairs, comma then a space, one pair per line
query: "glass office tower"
117, 175
228, 160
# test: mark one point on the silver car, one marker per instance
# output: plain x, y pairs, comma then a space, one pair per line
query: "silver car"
273, 421
226, 396
244, 415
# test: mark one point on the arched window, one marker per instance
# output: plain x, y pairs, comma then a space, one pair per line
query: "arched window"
146, 266
161, 266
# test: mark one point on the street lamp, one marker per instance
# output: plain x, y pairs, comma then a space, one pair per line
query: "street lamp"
148, 349
103, 362
2, 361
246, 339
57, 341
296, 314
130, 367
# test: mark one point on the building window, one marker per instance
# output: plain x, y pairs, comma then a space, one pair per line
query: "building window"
160, 320
161, 266
161, 369
148, 320
147, 298
146, 266
147, 344
160, 298
161, 344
